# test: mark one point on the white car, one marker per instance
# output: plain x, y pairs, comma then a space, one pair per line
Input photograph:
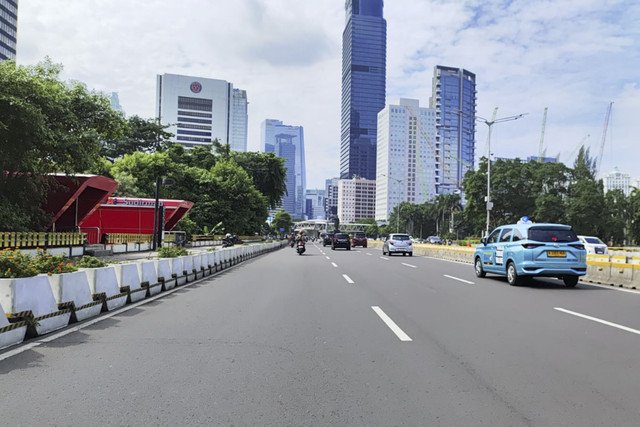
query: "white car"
593, 245
397, 243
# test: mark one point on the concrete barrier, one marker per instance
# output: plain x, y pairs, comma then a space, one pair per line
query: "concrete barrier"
11, 333
598, 269
71, 290
197, 265
104, 287
129, 281
31, 299
187, 266
177, 271
149, 277
163, 270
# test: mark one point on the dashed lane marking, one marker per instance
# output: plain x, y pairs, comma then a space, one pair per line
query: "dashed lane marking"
595, 319
459, 280
334, 264
391, 324
409, 265
348, 279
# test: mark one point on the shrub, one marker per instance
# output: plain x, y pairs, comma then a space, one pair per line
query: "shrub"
172, 252
89, 261
15, 264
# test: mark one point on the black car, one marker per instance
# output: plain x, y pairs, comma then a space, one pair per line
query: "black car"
341, 240
327, 240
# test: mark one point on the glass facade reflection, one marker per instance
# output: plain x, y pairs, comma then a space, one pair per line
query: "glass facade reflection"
364, 51
454, 99
8, 29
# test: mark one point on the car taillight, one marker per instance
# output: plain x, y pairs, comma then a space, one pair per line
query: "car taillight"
577, 246
531, 245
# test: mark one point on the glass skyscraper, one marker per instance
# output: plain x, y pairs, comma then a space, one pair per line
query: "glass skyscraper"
364, 58
454, 99
8, 29
288, 142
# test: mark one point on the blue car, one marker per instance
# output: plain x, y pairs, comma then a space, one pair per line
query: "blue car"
521, 251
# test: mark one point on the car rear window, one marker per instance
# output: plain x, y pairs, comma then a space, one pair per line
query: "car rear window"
360, 235
594, 240
552, 235
400, 237
342, 236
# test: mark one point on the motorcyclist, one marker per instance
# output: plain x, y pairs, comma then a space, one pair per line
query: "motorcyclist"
300, 237
227, 241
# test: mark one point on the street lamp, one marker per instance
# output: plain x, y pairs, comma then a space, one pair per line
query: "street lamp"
399, 181
490, 123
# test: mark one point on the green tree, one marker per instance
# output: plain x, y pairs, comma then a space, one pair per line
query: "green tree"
146, 135
585, 202
282, 220
46, 126
268, 174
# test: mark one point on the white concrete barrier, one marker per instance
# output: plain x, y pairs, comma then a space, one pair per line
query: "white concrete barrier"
11, 333
197, 265
163, 270
104, 286
149, 277
31, 298
119, 249
187, 266
129, 280
71, 290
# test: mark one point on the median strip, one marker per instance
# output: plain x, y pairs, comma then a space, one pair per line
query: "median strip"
595, 319
391, 324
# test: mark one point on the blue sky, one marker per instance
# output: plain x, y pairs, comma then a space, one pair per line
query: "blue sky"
571, 56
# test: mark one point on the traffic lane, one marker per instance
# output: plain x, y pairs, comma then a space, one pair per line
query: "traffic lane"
273, 341
516, 341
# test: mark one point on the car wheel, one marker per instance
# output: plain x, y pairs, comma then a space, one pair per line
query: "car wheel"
478, 267
364, 246
410, 253
333, 248
570, 281
348, 248
512, 274
404, 253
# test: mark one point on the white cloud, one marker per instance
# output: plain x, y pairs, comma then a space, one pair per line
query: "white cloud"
572, 57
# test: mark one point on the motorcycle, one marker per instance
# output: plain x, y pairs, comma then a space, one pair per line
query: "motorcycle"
300, 248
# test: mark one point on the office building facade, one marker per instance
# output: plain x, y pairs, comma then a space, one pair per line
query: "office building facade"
199, 110
454, 100
407, 156
364, 50
331, 198
356, 199
288, 142
617, 180
315, 204
8, 29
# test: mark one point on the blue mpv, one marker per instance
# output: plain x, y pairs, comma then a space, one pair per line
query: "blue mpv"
526, 250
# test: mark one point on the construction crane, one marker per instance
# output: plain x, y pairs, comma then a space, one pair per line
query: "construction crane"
541, 152
604, 138
577, 147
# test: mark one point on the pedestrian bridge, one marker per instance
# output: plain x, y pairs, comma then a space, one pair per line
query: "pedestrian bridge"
316, 227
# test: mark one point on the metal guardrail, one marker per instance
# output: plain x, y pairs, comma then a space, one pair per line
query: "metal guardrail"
121, 238
31, 240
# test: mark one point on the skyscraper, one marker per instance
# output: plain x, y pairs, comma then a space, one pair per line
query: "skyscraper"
454, 99
288, 142
407, 156
199, 110
364, 58
8, 29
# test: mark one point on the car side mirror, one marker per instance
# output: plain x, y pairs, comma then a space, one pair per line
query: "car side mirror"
484, 241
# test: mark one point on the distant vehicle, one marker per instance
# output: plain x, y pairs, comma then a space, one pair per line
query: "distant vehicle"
521, 251
359, 239
341, 240
327, 240
397, 243
594, 245
434, 240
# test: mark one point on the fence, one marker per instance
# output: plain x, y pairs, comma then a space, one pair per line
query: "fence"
29, 240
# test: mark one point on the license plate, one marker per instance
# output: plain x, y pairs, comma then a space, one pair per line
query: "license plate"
557, 254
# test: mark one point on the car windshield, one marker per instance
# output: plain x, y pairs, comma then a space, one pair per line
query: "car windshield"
400, 237
593, 240
552, 235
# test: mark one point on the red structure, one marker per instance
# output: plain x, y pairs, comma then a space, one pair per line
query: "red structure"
131, 216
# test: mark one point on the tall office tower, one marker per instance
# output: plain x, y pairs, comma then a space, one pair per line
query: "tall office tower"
115, 102
8, 29
288, 142
331, 200
315, 204
364, 59
356, 199
199, 110
454, 99
407, 156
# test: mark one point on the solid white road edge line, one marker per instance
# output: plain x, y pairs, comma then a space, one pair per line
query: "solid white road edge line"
595, 319
459, 280
334, 264
391, 324
348, 279
409, 265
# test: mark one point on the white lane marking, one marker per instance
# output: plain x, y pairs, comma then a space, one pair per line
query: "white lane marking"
386, 259
369, 253
459, 280
391, 324
348, 279
595, 319
327, 257
409, 265
334, 264
612, 288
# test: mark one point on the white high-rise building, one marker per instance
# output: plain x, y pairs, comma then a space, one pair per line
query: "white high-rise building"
406, 158
356, 199
199, 110
288, 142
616, 180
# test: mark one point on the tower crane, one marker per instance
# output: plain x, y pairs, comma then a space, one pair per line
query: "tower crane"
604, 138
541, 152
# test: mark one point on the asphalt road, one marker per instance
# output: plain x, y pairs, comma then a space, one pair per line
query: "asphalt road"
341, 338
